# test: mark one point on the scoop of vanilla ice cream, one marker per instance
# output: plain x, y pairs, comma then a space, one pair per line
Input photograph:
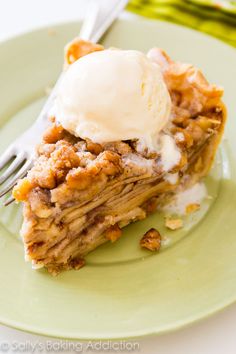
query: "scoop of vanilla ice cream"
114, 95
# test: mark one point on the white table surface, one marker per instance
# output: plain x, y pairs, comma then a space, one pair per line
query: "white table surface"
214, 335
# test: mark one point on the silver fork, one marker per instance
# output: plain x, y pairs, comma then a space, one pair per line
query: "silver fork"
21, 152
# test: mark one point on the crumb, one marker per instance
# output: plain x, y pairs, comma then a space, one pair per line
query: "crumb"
113, 233
173, 224
151, 240
191, 208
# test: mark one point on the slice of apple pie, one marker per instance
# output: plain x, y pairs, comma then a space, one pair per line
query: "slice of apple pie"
82, 190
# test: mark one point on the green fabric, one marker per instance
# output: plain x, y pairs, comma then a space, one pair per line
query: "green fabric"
217, 18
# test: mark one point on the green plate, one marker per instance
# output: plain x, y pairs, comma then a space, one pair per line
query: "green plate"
123, 291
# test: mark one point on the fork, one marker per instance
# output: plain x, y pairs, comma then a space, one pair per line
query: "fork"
21, 153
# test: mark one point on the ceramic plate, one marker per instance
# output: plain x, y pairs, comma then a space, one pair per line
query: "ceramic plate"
123, 291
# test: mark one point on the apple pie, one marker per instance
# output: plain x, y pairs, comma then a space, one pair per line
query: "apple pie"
81, 193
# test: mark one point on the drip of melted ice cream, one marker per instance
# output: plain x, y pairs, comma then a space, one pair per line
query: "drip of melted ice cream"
193, 195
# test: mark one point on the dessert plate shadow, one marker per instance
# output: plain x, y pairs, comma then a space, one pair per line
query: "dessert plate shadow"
123, 291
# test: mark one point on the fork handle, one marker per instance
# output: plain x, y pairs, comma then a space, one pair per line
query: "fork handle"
88, 27
90, 22
99, 17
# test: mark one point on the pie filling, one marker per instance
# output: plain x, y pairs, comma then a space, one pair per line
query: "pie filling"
80, 194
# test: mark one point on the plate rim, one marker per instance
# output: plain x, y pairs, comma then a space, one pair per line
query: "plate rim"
166, 330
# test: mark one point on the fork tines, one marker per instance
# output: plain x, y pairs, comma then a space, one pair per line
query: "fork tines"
19, 166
